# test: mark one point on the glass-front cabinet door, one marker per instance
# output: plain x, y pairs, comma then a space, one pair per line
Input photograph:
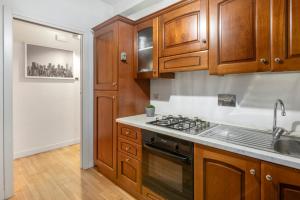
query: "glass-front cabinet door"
146, 49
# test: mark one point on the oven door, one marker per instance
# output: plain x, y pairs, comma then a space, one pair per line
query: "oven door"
168, 174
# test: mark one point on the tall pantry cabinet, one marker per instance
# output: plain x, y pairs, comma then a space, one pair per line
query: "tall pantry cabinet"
116, 92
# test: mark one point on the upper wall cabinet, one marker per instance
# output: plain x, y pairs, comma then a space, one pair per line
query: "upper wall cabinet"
106, 58
239, 36
146, 50
285, 32
183, 40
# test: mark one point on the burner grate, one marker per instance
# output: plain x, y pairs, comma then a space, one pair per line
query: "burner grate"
180, 123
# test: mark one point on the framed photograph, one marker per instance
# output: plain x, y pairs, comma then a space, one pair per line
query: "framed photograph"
48, 63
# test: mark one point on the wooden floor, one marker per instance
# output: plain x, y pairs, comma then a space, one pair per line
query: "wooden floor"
56, 175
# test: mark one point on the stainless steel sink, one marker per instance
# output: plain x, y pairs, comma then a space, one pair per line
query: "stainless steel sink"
241, 136
288, 145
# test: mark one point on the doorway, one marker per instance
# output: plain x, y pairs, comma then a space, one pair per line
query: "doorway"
46, 83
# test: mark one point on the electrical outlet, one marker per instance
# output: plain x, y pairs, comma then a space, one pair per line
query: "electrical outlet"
155, 96
227, 100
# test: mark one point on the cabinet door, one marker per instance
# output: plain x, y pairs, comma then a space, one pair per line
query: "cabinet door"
129, 173
279, 183
220, 175
239, 36
105, 135
106, 58
183, 30
146, 49
285, 46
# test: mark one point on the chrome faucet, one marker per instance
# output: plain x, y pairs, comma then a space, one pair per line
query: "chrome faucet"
277, 131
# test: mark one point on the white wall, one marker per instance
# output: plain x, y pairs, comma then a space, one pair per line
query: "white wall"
75, 14
46, 113
195, 94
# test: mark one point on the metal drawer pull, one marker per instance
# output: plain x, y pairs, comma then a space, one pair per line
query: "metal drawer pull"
277, 60
263, 61
127, 160
269, 177
252, 172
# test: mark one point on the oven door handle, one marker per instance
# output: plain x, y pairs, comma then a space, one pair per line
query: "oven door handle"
177, 157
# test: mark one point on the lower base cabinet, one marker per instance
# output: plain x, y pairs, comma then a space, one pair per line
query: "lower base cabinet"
129, 174
220, 175
279, 183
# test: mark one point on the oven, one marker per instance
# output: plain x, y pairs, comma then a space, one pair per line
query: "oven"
167, 166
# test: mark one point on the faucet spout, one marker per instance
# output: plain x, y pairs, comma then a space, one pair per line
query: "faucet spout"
283, 113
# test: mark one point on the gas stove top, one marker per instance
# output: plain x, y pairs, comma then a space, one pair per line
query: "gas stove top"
190, 126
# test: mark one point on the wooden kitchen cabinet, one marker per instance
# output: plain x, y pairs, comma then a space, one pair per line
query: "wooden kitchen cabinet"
285, 40
105, 132
239, 36
130, 159
146, 50
221, 175
129, 174
183, 37
279, 183
106, 58
116, 92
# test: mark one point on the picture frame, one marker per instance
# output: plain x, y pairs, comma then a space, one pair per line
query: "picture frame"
43, 62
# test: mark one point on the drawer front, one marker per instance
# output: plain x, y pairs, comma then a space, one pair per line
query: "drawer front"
130, 148
149, 195
184, 62
129, 173
130, 133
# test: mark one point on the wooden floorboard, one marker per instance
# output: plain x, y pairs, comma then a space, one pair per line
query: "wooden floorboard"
56, 175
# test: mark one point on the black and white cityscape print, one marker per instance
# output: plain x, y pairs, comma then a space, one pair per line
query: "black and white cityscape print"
46, 62
50, 70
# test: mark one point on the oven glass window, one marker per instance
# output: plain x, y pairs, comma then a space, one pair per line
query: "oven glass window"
166, 171
167, 177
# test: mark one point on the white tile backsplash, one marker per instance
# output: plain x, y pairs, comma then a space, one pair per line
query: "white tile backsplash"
195, 94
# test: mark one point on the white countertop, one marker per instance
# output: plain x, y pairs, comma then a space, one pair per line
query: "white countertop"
140, 121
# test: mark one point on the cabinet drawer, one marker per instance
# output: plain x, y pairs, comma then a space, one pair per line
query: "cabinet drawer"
129, 173
149, 195
130, 148
130, 133
184, 62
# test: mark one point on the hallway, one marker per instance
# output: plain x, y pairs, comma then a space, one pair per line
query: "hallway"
56, 175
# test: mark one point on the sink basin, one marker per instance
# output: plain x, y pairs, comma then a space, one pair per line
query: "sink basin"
289, 146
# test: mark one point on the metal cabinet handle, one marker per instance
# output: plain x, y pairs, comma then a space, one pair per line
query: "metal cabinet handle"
127, 133
278, 60
127, 160
252, 172
204, 41
114, 84
263, 60
127, 148
269, 177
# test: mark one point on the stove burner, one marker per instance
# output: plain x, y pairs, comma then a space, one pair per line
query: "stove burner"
190, 126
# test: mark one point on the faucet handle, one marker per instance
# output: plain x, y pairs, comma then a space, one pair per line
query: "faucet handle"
278, 132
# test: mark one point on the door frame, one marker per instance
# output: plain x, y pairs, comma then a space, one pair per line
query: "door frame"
1, 108
86, 91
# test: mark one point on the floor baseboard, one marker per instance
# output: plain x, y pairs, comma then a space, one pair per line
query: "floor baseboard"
45, 148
